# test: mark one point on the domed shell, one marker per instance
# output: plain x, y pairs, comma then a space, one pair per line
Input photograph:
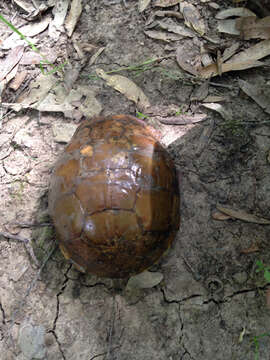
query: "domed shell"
114, 197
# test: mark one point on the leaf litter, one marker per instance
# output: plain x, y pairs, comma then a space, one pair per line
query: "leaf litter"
50, 101
242, 215
126, 87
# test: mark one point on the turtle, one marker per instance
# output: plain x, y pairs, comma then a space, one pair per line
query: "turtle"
114, 197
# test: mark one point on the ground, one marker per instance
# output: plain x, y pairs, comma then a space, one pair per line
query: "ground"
212, 301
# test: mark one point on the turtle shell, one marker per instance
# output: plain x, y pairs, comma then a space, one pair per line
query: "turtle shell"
114, 197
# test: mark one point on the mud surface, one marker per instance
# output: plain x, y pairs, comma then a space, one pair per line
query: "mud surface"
211, 304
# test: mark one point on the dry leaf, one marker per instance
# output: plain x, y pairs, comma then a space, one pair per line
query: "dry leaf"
258, 94
144, 280
253, 28
30, 57
11, 61
19, 79
11, 74
240, 11
214, 99
165, 3
244, 60
242, 215
96, 55
200, 92
73, 16
169, 25
167, 13
79, 101
182, 119
25, 5
142, 5
125, 87
59, 11
28, 31
218, 215
229, 52
212, 70
228, 27
192, 17
225, 113
255, 52
38, 89
162, 35
183, 59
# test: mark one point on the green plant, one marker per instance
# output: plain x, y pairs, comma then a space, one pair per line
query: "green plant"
261, 267
233, 127
179, 111
34, 48
141, 115
257, 345
136, 68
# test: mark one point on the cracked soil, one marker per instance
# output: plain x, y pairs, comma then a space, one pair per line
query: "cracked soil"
211, 304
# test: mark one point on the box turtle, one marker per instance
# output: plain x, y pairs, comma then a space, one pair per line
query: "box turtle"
114, 197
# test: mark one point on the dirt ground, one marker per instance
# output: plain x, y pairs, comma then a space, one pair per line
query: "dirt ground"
212, 302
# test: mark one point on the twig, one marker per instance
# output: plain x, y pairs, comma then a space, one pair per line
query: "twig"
14, 237
30, 225
221, 85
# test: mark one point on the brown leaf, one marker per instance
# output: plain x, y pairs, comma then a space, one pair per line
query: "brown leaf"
183, 119
212, 70
19, 78
168, 13
232, 12
256, 52
244, 60
258, 93
175, 28
192, 17
142, 5
225, 112
214, 99
200, 92
126, 87
183, 59
230, 51
253, 28
165, 3
11, 61
242, 215
162, 35
25, 5
73, 16
218, 215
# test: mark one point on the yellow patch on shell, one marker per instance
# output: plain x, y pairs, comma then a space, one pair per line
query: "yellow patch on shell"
87, 150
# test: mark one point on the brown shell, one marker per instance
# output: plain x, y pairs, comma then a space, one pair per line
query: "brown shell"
114, 197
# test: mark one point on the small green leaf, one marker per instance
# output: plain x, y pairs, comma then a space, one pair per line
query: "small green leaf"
260, 266
141, 115
267, 275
